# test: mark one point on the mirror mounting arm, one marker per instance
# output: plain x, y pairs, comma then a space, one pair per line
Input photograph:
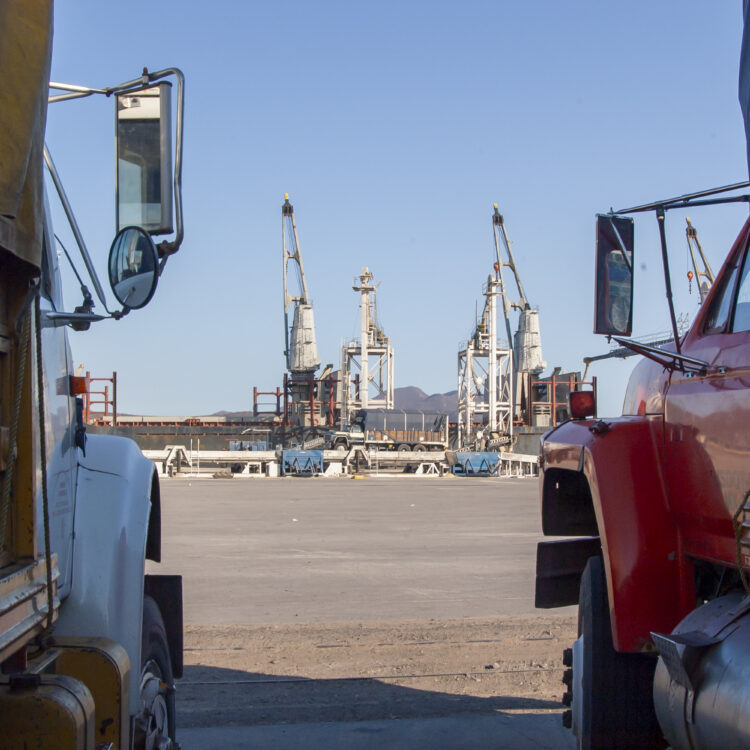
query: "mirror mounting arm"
79, 321
74, 227
168, 248
667, 277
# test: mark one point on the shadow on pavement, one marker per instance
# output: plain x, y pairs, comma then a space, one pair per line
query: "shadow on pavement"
213, 696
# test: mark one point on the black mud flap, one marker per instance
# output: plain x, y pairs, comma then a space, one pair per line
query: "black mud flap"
166, 591
559, 566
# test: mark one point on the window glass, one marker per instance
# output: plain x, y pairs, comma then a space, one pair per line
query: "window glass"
741, 321
47, 278
721, 305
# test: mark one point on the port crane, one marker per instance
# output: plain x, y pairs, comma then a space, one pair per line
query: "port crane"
300, 345
490, 377
485, 381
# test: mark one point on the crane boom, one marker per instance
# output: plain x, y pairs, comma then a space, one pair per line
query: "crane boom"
527, 343
704, 276
300, 345
292, 253
498, 225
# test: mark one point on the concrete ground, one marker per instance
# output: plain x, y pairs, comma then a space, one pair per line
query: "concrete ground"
434, 569
525, 731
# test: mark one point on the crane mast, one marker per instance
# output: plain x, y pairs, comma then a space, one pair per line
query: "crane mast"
485, 382
372, 355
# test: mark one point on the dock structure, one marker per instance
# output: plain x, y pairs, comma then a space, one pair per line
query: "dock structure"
180, 460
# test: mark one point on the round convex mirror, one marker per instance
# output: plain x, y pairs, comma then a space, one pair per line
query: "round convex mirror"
133, 267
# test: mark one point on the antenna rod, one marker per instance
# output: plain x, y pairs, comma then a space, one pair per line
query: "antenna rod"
667, 279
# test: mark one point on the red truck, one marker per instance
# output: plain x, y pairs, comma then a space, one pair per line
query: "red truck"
655, 505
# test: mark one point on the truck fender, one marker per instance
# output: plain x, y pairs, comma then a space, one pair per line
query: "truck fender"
111, 528
648, 589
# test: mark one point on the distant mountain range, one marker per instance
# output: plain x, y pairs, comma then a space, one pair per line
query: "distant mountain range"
409, 397
412, 397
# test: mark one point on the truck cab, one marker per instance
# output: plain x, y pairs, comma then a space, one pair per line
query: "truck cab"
89, 644
653, 507
345, 440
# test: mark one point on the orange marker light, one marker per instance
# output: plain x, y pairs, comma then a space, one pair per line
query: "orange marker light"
582, 404
78, 385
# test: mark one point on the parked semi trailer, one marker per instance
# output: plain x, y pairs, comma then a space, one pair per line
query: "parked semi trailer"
89, 644
393, 429
656, 505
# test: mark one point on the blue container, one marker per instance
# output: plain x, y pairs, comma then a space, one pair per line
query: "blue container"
301, 463
479, 464
247, 445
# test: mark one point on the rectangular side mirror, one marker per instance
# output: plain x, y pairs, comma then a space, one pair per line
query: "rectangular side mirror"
613, 303
144, 159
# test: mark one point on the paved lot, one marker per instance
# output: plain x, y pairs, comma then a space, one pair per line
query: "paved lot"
341, 613
311, 550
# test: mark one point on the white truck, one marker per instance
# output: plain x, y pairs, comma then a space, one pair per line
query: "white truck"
89, 644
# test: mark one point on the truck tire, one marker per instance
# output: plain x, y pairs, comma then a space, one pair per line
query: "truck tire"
340, 446
419, 448
154, 720
615, 689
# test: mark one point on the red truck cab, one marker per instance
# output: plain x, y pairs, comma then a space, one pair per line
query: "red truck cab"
654, 507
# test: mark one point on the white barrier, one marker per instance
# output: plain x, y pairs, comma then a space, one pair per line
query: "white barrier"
178, 459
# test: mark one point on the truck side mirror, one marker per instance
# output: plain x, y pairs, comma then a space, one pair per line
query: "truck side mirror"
144, 159
133, 267
613, 303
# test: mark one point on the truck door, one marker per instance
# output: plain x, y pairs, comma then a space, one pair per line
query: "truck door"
706, 416
59, 422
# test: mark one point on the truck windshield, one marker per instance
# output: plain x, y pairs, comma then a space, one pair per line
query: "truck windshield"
741, 321
722, 304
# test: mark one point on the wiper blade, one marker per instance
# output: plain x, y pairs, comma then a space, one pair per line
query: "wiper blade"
670, 360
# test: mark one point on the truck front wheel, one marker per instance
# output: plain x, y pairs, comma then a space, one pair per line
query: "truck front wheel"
155, 720
612, 704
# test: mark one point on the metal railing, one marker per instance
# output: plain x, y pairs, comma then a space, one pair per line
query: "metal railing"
105, 398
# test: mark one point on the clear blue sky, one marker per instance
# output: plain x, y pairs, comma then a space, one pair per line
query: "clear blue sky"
394, 126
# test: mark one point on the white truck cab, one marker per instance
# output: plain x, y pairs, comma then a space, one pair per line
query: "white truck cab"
89, 644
